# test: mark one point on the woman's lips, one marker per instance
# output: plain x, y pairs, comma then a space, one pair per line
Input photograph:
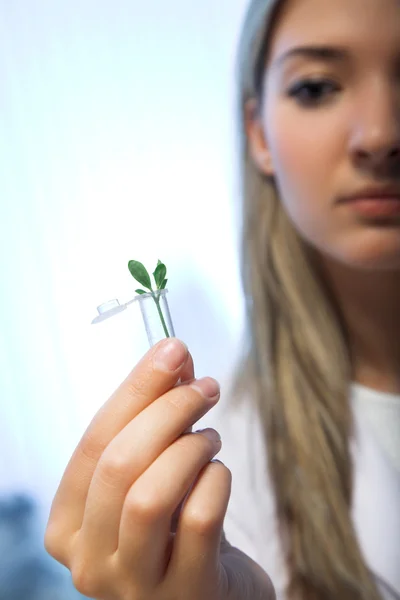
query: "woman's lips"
387, 206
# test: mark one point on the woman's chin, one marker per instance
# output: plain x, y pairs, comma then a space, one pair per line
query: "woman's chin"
368, 249
381, 258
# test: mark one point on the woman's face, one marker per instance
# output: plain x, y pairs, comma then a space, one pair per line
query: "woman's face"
329, 125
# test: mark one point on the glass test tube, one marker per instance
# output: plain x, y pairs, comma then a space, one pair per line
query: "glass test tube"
156, 315
158, 324
157, 318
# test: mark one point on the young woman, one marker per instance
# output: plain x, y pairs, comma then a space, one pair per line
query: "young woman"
140, 511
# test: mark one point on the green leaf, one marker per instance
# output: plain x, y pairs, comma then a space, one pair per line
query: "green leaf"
139, 272
141, 292
164, 283
159, 274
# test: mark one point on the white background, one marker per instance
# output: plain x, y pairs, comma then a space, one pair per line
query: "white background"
117, 142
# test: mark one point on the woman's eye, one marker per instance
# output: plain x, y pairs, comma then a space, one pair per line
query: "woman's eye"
311, 92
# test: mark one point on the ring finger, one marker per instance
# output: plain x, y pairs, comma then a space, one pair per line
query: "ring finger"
144, 533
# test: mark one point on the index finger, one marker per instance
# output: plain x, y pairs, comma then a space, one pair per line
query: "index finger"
148, 380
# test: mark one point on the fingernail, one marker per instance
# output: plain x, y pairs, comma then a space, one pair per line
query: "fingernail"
171, 355
211, 434
208, 387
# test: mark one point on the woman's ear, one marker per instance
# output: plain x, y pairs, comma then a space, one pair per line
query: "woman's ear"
258, 146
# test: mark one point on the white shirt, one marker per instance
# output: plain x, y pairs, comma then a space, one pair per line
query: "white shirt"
250, 522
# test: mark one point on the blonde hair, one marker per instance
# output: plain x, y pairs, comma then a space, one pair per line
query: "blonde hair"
297, 367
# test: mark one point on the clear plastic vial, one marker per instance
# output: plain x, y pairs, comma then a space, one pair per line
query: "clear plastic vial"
156, 315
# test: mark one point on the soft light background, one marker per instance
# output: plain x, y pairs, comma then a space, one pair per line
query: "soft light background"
117, 142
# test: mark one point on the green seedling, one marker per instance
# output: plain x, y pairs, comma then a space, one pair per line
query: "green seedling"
140, 273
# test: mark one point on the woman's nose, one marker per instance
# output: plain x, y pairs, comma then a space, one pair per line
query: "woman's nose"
375, 139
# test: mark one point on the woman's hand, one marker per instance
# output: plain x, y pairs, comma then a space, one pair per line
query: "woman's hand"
139, 512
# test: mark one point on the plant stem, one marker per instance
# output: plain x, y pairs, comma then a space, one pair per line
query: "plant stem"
157, 301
